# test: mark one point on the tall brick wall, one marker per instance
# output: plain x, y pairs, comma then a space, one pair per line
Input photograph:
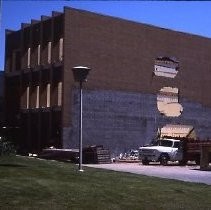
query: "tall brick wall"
120, 102
1, 97
126, 120
120, 107
121, 54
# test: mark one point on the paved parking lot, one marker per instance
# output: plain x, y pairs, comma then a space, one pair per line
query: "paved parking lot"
190, 173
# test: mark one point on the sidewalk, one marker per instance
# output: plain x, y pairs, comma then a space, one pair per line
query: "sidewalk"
189, 173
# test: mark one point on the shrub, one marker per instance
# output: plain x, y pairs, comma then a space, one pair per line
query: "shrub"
6, 147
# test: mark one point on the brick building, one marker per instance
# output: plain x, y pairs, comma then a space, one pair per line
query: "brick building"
1, 98
142, 77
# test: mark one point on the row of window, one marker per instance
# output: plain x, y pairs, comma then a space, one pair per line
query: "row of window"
28, 99
15, 62
49, 53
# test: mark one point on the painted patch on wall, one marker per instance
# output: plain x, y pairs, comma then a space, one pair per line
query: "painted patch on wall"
166, 67
179, 130
168, 102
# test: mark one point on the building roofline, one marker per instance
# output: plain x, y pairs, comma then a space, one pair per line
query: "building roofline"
136, 22
55, 14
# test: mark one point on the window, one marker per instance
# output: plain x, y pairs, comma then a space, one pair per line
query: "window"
61, 49
59, 93
165, 143
27, 97
38, 55
29, 57
37, 96
48, 94
177, 144
16, 60
49, 52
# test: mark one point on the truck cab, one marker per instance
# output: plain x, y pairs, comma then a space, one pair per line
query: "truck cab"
161, 150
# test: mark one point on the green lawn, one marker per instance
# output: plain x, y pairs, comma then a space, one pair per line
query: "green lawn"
27, 183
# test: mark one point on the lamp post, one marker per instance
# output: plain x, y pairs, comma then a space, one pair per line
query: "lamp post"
80, 74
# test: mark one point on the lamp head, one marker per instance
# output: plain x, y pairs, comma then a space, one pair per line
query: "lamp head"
80, 73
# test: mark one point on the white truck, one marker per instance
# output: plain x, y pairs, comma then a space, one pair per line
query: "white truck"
163, 150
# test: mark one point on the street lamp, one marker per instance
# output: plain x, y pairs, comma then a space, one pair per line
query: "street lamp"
80, 74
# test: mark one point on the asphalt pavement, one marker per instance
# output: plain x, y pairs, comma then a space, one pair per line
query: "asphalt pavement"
190, 173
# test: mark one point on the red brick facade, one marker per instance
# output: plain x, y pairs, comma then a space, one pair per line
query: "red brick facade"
121, 54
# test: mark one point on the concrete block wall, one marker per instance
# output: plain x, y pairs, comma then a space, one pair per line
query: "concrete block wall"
121, 120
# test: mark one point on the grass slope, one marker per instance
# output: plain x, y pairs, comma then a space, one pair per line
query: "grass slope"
27, 183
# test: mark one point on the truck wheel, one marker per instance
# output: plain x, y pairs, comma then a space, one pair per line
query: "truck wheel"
197, 161
145, 162
164, 159
182, 162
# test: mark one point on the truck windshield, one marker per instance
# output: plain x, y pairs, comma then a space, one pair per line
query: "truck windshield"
176, 144
164, 143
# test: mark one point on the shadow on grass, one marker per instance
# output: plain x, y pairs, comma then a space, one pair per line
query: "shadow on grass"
12, 165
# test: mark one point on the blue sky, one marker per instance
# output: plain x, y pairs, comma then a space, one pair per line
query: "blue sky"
188, 16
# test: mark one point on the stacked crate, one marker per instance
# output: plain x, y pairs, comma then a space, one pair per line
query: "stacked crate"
96, 155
